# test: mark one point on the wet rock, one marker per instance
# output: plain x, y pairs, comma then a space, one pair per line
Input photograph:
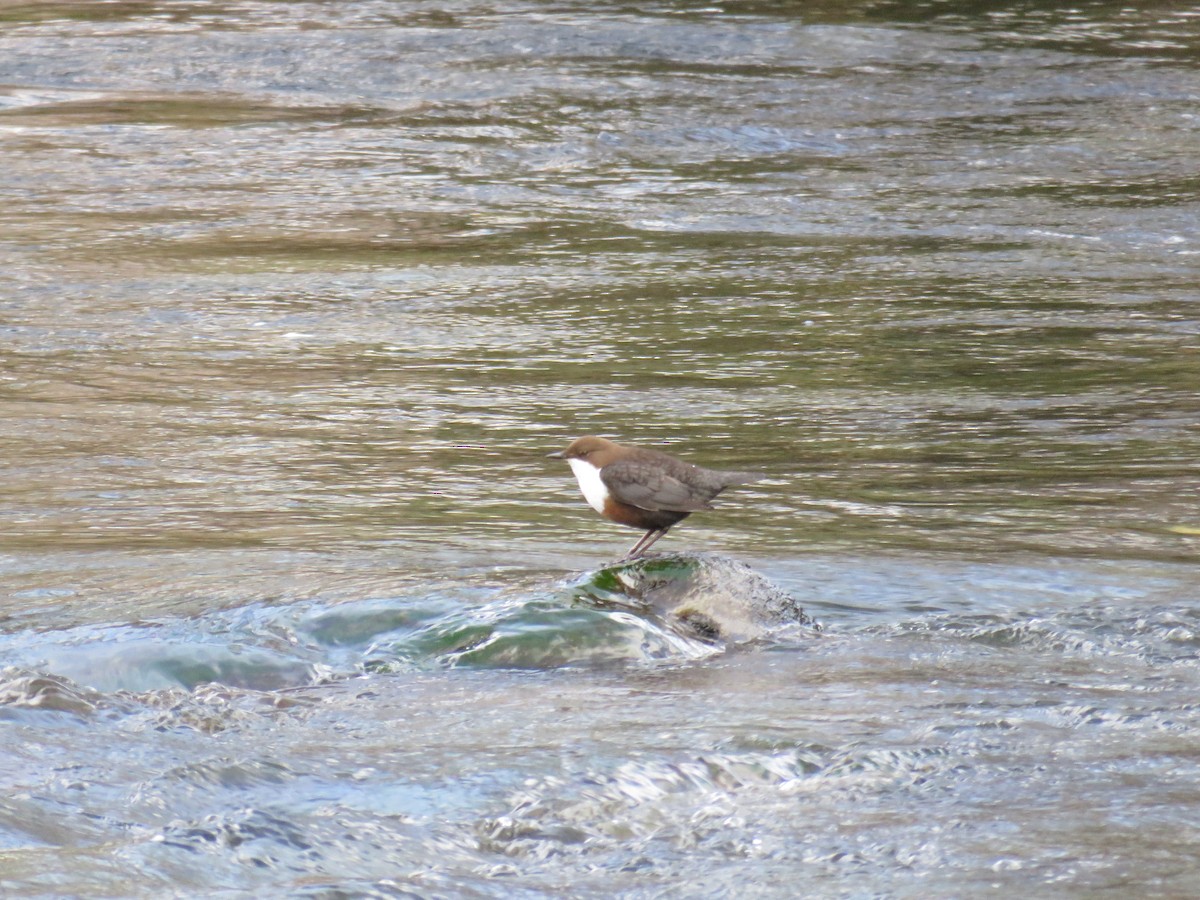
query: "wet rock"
34, 690
713, 598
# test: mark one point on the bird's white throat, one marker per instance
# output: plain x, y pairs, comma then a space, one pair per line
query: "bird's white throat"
594, 491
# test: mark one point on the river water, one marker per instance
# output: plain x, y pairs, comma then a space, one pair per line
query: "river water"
295, 298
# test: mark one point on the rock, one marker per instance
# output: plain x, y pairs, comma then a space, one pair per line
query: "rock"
709, 597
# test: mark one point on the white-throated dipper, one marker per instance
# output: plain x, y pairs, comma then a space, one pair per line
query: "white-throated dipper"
644, 488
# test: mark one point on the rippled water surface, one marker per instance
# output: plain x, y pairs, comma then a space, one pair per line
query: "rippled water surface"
295, 298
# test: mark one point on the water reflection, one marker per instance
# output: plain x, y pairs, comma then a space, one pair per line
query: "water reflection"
295, 298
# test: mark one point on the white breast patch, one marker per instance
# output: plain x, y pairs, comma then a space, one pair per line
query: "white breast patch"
593, 488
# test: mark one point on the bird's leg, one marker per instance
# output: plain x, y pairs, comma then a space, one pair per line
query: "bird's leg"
644, 543
636, 550
657, 535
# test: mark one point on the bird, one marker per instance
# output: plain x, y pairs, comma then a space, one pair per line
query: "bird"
643, 488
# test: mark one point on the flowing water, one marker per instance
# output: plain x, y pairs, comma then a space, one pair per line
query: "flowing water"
295, 298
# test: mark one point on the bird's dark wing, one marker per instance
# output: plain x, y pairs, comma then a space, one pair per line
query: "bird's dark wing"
649, 487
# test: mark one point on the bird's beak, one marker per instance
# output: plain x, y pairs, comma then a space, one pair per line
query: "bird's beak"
557, 454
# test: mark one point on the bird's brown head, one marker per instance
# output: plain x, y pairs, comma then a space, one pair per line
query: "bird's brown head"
595, 450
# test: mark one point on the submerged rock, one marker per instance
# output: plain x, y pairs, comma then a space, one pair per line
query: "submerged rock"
659, 609
708, 597
23, 688
667, 609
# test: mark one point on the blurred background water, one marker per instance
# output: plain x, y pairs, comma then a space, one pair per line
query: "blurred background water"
295, 296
